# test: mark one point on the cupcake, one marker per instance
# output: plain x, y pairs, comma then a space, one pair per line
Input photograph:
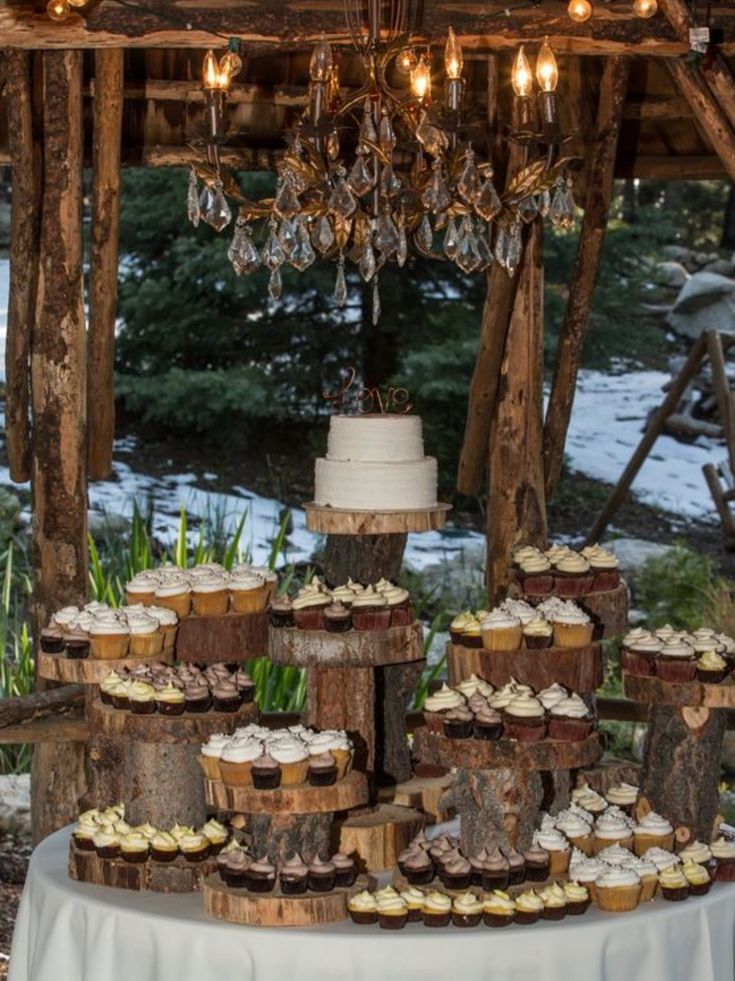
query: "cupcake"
487, 723
557, 846
141, 589
174, 594
588, 799
537, 634
570, 720
524, 719
265, 772
77, 644
675, 662
466, 910
118, 693
52, 640
536, 575
554, 899
723, 852
280, 613
245, 685
210, 595
652, 831
194, 847
456, 873
712, 668
337, 618
414, 900
697, 851
472, 634
346, 871
576, 830
336, 742
210, 753
458, 723
498, 909
322, 875
586, 871
236, 761
647, 873
363, 908
106, 686
674, 885
392, 910
197, 697
84, 832
142, 697
170, 700
109, 639
572, 628
260, 876
370, 611
537, 861
106, 841
294, 876
623, 795
234, 869
322, 770
292, 755
496, 871
577, 897
309, 606
698, 878
529, 907
516, 866
226, 696
639, 653
604, 567
618, 890
474, 686
437, 909
134, 847
168, 624
437, 705
269, 577
164, 847
456, 627
501, 632
216, 834
612, 829
572, 576
146, 640
399, 604
418, 867
661, 858
248, 593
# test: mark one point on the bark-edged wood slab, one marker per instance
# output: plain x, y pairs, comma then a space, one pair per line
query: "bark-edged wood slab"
231, 637
424, 794
340, 521
190, 727
354, 649
275, 909
176, 876
657, 691
608, 608
377, 836
491, 754
350, 792
89, 670
578, 668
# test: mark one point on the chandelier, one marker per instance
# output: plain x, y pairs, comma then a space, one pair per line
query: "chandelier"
369, 177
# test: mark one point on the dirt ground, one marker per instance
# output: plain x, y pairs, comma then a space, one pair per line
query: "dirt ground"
14, 854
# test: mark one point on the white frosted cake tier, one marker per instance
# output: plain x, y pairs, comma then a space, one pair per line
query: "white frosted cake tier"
375, 438
368, 486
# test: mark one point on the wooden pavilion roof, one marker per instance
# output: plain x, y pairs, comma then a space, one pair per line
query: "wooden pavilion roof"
660, 137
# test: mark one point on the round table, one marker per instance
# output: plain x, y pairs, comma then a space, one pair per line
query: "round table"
69, 931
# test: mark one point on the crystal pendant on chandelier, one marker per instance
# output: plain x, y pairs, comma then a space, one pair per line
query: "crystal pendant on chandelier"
402, 251
433, 139
469, 184
376, 302
303, 254
528, 208
514, 248
192, 199
275, 284
273, 255
436, 196
451, 239
287, 203
487, 203
386, 235
484, 250
569, 216
340, 283
367, 264
544, 202
242, 252
361, 178
368, 133
214, 208
501, 246
425, 235
468, 256
386, 136
557, 209
323, 235
390, 184
287, 236
342, 201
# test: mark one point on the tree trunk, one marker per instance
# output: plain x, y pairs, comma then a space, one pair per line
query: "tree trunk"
496, 808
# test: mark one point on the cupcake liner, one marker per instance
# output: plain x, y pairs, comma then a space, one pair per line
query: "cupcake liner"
572, 586
605, 580
414, 914
180, 604
169, 631
569, 730
134, 857
78, 650
294, 887
146, 645
537, 873
210, 604
642, 842
322, 882
724, 871
536, 642
618, 899
110, 647
363, 917
473, 641
712, 677
465, 920
494, 881
227, 704
624, 842
523, 733
538, 585
310, 618
401, 615
259, 884
639, 664
649, 884
375, 619
585, 844
504, 639
436, 919
676, 895
147, 599
108, 851
323, 777
455, 636
266, 779
249, 600
294, 773
497, 919
344, 878
198, 706
164, 855
573, 634
170, 708
236, 774
527, 917
457, 729
210, 766
700, 888
337, 625
421, 877
143, 708
559, 861
481, 730
577, 907
343, 759
554, 912
84, 844
392, 921
675, 668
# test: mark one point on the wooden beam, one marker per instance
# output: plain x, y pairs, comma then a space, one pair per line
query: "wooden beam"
40, 704
176, 90
62, 729
24, 155
516, 504
669, 168
708, 116
653, 431
586, 267
655, 107
103, 259
59, 401
291, 24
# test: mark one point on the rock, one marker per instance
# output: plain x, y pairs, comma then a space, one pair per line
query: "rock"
677, 252
15, 803
670, 274
107, 523
722, 267
457, 582
633, 553
702, 258
705, 302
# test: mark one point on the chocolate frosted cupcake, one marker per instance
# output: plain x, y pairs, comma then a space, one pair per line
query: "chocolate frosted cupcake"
322, 875
537, 863
197, 697
280, 613
458, 723
570, 720
457, 873
77, 644
52, 640
487, 724
260, 876
418, 867
524, 719
226, 697
346, 871
294, 876
322, 770
675, 662
495, 871
337, 619
370, 611
516, 867
234, 870
245, 685
266, 772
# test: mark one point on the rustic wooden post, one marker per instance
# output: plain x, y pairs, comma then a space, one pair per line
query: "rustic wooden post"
587, 263
516, 508
59, 391
708, 115
108, 103
24, 242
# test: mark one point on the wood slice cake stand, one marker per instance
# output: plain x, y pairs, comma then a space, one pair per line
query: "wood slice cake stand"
378, 835
275, 909
231, 637
680, 775
339, 521
422, 793
501, 786
190, 727
90, 670
608, 608
578, 668
400, 882
176, 876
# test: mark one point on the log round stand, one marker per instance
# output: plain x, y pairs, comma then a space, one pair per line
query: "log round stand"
578, 668
176, 876
275, 909
232, 637
608, 609
681, 758
289, 819
502, 786
338, 521
88, 670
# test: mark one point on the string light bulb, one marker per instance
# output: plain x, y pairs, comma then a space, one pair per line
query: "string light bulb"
210, 71
406, 61
320, 66
645, 8
453, 56
521, 76
579, 10
58, 9
421, 80
78, 3
547, 72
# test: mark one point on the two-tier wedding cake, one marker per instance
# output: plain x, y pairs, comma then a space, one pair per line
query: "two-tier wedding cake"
376, 463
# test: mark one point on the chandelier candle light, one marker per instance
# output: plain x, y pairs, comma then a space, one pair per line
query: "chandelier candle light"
413, 180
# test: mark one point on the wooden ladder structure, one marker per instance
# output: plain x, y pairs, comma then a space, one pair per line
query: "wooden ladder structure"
710, 346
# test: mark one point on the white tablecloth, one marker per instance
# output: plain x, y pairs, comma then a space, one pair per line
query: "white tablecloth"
68, 931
